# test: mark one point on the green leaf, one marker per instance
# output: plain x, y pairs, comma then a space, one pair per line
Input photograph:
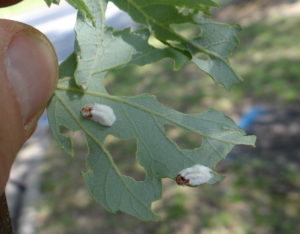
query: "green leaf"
191, 4
217, 38
101, 49
142, 118
77, 4
49, 2
216, 41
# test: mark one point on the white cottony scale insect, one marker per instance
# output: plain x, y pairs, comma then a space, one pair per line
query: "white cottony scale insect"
101, 114
195, 175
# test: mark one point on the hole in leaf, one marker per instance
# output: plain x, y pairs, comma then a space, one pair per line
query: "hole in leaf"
202, 56
156, 43
187, 30
77, 137
79, 144
124, 155
65, 131
184, 139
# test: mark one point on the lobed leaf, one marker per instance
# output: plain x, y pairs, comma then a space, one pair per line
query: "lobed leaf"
160, 15
216, 41
100, 49
142, 118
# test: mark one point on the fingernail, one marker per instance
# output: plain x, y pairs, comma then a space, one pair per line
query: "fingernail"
31, 67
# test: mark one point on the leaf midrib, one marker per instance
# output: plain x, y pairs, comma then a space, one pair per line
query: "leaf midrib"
106, 153
100, 35
117, 99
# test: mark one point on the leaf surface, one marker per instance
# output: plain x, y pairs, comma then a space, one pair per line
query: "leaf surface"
99, 50
142, 118
160, 15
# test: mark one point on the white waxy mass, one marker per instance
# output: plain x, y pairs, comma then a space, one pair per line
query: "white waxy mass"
197, 174
100, 113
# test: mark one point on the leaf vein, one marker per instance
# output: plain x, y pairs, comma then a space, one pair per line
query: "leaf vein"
106, 153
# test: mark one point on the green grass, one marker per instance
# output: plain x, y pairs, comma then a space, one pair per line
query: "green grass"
268, 59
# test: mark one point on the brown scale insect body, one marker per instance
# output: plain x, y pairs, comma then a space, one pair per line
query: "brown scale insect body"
102, 114
86, 111
180, 180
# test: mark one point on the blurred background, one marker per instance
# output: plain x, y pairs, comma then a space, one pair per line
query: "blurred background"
261, 191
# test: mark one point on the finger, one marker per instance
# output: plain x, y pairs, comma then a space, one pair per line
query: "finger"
6, 3
28, 74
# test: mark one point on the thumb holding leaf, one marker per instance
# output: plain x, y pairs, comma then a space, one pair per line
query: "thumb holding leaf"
28, 75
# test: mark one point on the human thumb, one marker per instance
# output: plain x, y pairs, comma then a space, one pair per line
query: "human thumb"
28, 75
